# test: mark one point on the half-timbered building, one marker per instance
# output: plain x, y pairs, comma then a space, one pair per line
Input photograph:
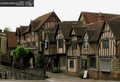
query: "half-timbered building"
74, 50
109, 60
33, 35
89, 51
62, 38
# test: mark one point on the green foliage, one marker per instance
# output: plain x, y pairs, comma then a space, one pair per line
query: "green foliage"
81, 74
7, 29
20, 52
39, 60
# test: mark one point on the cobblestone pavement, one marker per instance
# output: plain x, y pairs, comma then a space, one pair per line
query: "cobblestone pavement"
60, 77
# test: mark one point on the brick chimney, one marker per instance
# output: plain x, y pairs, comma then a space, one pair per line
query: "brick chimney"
100, 17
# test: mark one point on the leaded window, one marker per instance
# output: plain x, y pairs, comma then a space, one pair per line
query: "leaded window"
84, 64
71, 63
92, 62
60, 43
105, 64
105, 43
46, 44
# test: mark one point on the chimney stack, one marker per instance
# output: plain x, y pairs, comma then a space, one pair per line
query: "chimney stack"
100, 17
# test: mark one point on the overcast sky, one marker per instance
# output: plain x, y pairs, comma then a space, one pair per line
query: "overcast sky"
65, 9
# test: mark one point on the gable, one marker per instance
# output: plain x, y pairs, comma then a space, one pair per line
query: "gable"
73, 32
59, 34
81, 19
106, 27
86, 37
44, 18
107, 32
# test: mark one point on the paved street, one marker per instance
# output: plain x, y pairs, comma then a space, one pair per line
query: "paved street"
59, 77
65, 78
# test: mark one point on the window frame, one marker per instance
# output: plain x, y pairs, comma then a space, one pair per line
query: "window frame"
105, 44
71, 63
92, 61
84, 65
105, 64
60, 43
46, 44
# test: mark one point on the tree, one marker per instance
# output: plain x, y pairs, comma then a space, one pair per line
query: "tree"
20, 54
7, 29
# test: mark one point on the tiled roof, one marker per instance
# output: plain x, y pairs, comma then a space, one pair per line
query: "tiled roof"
91, 17
115, 27
43, 19
37, 23
34, 24
66, 27
11, 40
23, 29
94, 31
79, 31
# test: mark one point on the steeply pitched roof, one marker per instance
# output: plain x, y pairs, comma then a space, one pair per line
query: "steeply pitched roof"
115, 27
23, 29
79, 31
91, 17
66, 27
42, 19
34, 24
94, 31
26, 29
17, 31
11, 40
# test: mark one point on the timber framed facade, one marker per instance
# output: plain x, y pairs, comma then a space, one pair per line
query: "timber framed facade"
92, 43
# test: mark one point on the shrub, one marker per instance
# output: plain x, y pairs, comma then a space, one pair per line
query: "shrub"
20, 54
81, 74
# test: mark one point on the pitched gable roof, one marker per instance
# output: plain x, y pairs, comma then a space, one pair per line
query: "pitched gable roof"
17, 31
115, 27
91, 17
79, 31
34, 24
66, 27
42, 19
23, 29
11, 40
94, 31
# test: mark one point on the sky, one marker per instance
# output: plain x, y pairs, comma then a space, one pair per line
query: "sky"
67, 10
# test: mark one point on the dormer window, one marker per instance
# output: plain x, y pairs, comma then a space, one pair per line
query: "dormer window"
85, 41
46, 44
86, 45
33, 33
